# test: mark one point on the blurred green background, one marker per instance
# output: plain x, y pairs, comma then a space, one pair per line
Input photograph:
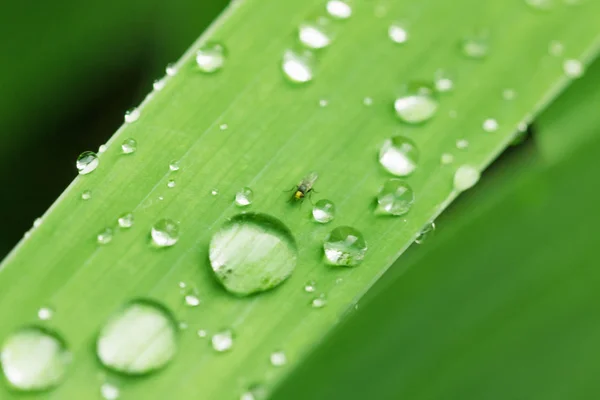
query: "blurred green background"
69, 71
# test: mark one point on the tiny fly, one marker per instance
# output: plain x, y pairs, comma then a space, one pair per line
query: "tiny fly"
304, 187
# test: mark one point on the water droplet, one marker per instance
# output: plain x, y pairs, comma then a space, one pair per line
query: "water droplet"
254, 392
344, 246
171, 69
210, 57
490, 125
165, 233
396, 198
399, 156
126, 220
214, 192
319, 302
298, 66
105, 236
86, 195
201, 333
323, 211
183, 325
443, 81
192, 300
158, 84
556, 48
339, 9
425, 233
45, 313
129, 146
542, 5
252, 253
109, 391
87, 162
278, 359
222, 341
102, 148
223, 127
171, 183
398, 33
573, 68
367, 101
476, 46
174, 165
446, 158
509, 94
37, 222
310, 286
462, 144
138, 339
34, 359
416, 104
244, 197
315, 35
323, 103
132, 115
182, 285
465, 177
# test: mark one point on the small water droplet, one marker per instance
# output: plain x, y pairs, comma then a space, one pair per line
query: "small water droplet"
214, 192
541, 5
222, 341
109, 391
319, 302
462, 144
102, 148
160, 198
278, 359
183, 325
323, 103
210, 57
310, 286
339, 9
254, 392
345, 246
171, 183
443, 81
171, 69
182, 285
573, 68
298, 66
86, 195
165, 233
476, 46
399, 156
126, 220
323, 211
37, 222
244, 197
129, 146
34, 359
202, 333
556, 48
490, 125
315, 35
252, 253
132, 115
367, 101
425, 233
45, 313
509, 94
174, 165
223, 127
105, 236
396, 198
398, 33
138, 339
192, 300
158, 84
446, 158
87, 162
465, 177
416, 104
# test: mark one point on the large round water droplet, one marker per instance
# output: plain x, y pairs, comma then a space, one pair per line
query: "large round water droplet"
396, 198
138, 339
345, 246
465, 177
34, 359
399, 156
339, 9
252, 253
315, 35
165, 233
416, 104
210, 57
87, 162
298, 66
324, 211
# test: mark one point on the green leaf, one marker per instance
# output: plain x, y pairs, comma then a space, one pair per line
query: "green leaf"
247, 126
